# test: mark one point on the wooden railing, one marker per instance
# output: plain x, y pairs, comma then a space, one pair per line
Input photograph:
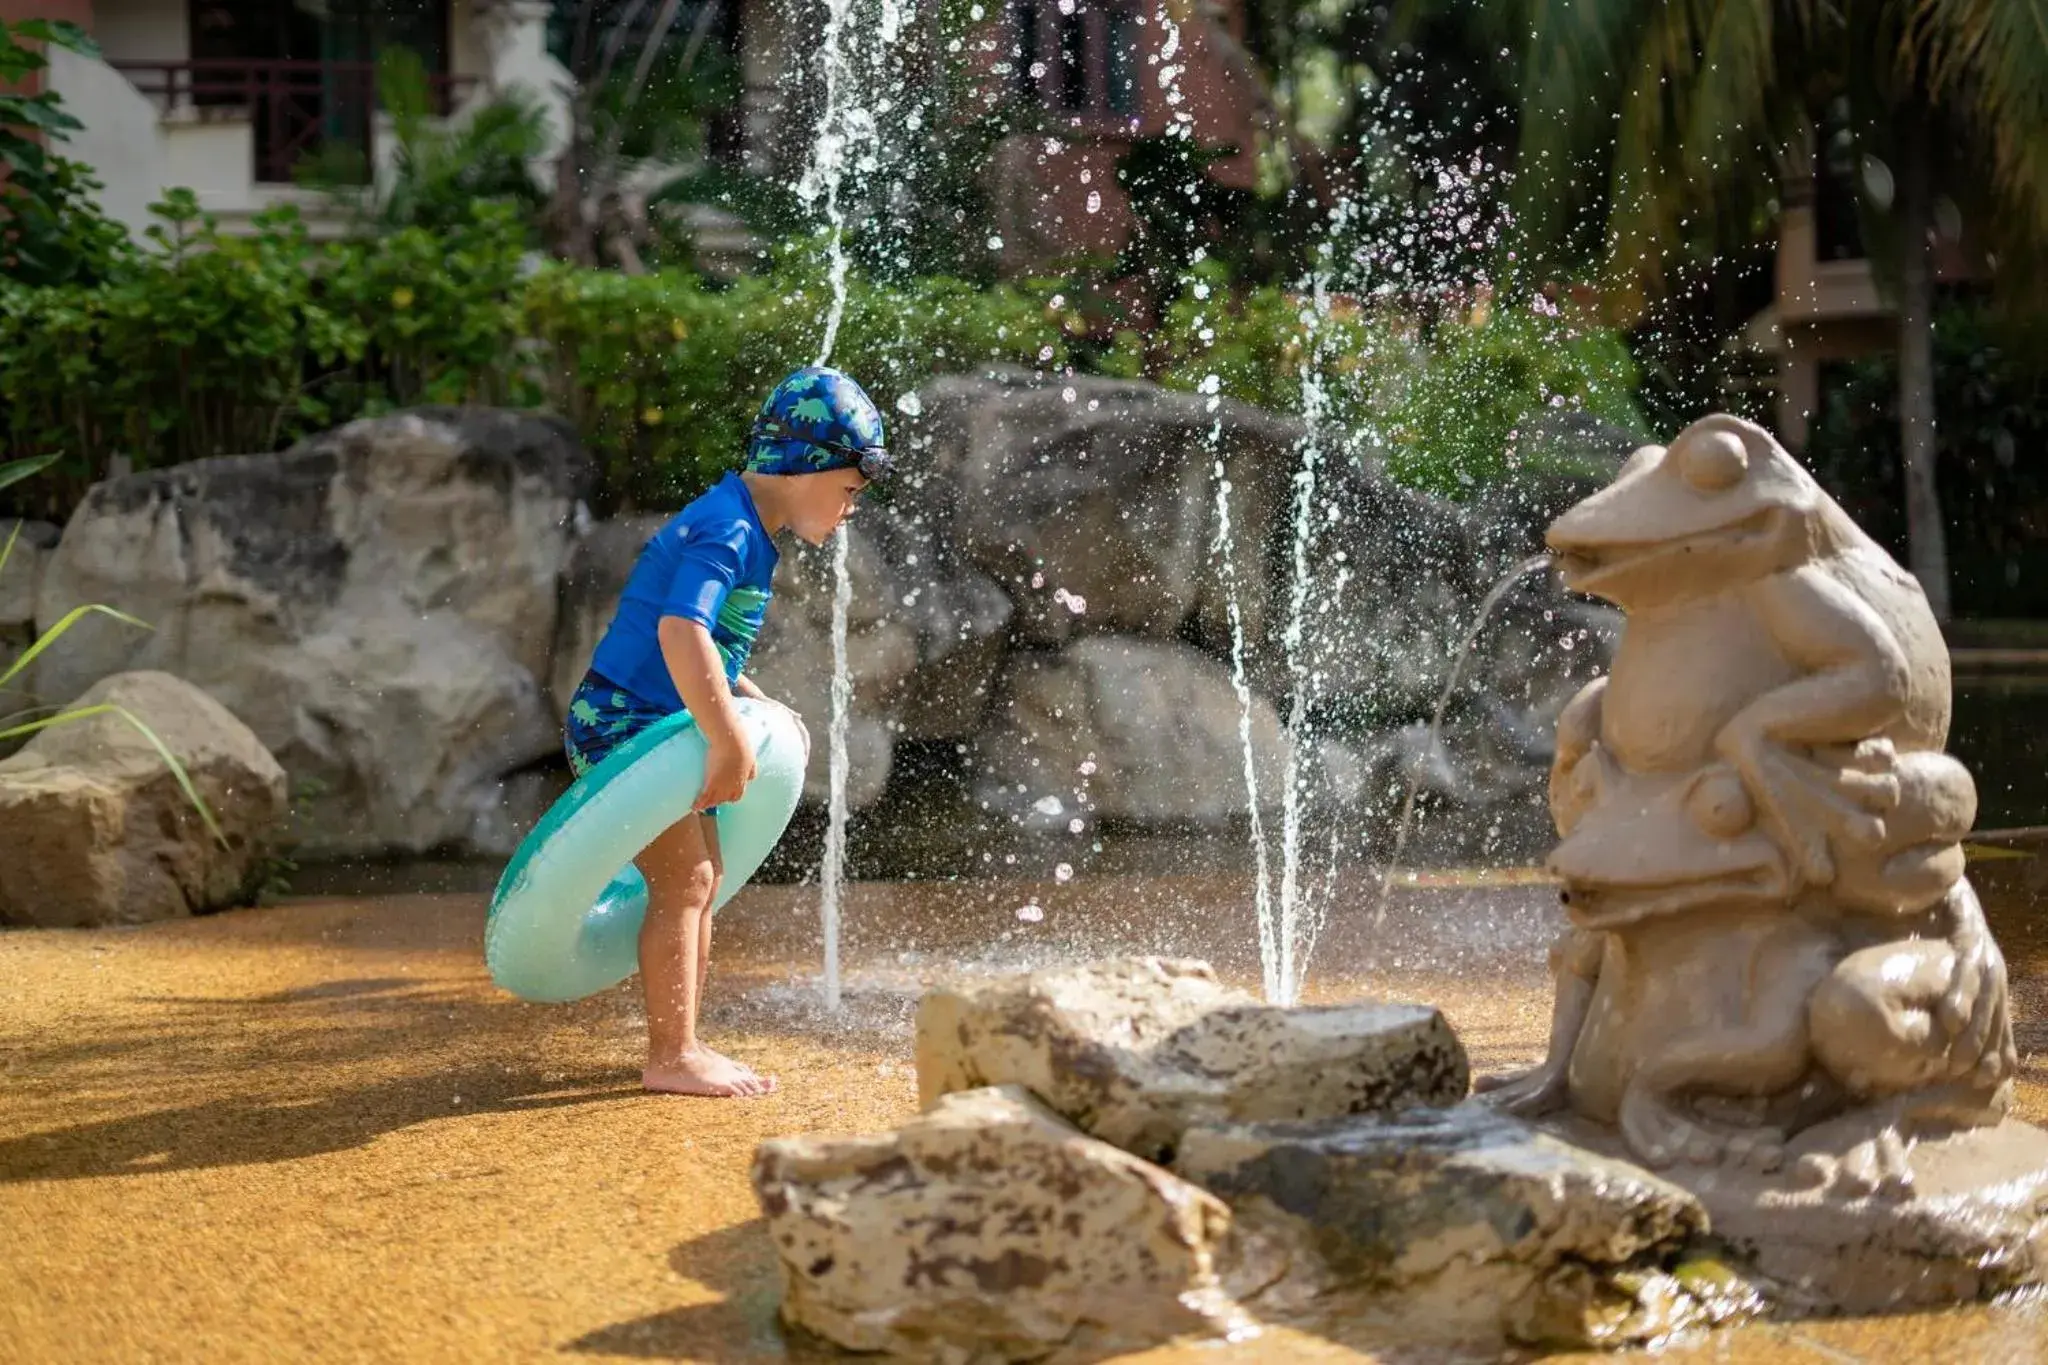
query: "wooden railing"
297, 108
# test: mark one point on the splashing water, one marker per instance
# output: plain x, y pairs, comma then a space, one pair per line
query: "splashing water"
1221, 547
1371, 247
832, 876
848, 137
1436, 721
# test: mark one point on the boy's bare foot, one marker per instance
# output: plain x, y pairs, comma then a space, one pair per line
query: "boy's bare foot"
744, 1068
703, 1072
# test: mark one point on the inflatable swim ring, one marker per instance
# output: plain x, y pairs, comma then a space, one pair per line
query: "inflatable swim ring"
565, 920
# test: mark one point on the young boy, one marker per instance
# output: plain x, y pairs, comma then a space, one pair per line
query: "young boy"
688, 617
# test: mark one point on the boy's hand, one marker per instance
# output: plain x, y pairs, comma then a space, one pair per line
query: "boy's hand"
728, 768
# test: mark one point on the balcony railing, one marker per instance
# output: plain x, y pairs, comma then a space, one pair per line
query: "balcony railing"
298, 109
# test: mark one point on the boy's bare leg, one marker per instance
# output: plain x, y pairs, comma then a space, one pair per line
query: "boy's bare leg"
682, 870
710, 824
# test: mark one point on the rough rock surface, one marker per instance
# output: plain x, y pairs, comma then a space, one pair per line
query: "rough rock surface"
1137, 1050
925, 633
592, 579
378, 604
988, 1229
98, 830
1101, 489
1158, 721
793, 663
1512, 1232
1974, 1224
19, 574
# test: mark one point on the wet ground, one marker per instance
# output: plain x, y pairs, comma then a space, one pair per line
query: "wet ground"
315, 1132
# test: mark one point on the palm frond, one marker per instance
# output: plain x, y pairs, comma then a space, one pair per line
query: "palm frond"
1574, 62
1729, 102
1988, 61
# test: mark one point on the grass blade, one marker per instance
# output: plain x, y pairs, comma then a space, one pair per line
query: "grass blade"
49, 637
8, 548
14, 471
184, 779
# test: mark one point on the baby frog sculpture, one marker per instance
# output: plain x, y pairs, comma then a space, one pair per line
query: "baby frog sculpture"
1774, 949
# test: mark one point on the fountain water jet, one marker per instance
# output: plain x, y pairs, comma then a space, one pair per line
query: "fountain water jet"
845, 132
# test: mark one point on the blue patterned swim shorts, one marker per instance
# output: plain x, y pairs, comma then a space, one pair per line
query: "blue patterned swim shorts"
602, 716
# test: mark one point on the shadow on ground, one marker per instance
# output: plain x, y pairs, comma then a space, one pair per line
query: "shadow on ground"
221, 1046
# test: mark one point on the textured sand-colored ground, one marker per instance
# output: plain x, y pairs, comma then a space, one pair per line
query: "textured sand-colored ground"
315, 1132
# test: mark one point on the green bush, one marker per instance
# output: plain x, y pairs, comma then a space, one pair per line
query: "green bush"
214, 344
210, 344
1442, 406
663, 375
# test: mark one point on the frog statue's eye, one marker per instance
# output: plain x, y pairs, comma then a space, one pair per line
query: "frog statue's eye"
1712, 461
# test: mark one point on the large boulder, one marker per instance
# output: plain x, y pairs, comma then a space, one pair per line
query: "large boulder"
1093, 502
988, 1230
926, 633
1136, 1051
593, 579
99, 830
20, 572
378, 604
793, 662
1468, 1219
1145, 731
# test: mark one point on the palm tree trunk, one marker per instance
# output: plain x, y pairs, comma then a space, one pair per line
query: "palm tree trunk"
1927, 543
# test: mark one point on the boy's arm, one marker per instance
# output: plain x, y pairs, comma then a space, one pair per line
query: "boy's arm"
747, 687
697, 670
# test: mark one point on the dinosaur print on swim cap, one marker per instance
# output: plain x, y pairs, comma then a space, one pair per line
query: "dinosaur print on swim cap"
816, 419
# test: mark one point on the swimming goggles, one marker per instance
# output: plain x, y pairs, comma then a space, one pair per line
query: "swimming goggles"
873, 462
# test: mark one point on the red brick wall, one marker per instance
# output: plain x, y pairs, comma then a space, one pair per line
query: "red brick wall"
77, 11
1043, 182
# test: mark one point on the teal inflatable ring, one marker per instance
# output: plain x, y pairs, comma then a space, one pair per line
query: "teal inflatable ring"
565, 920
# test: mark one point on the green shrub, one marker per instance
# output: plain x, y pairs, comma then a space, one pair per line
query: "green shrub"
663, 376
1441, 406
211, 344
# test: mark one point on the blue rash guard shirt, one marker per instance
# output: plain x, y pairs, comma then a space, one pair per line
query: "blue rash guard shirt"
712, 563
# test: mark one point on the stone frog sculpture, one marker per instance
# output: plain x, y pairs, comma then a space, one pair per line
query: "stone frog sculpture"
1774, 950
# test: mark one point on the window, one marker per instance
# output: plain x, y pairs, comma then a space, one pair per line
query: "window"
1079, 56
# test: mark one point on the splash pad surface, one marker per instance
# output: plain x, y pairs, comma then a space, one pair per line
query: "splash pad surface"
316, 1131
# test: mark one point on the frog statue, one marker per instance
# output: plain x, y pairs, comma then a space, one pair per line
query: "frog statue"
1774, 959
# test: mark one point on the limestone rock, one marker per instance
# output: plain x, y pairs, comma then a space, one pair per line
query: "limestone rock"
23, 569
378, 604
593, 578
1973, 1225
98, 829
1101, 490
961, 618
793, 663
1156, 721
1511, 1232
988, 1230
19, 574
926, 633
1137, 1050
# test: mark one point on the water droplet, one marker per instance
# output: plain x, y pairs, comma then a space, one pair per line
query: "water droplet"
1063, 873
1031, 914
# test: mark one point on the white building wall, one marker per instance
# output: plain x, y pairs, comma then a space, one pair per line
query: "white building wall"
138, 149
122, 139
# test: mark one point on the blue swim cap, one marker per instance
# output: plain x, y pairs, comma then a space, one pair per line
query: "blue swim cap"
818, 419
